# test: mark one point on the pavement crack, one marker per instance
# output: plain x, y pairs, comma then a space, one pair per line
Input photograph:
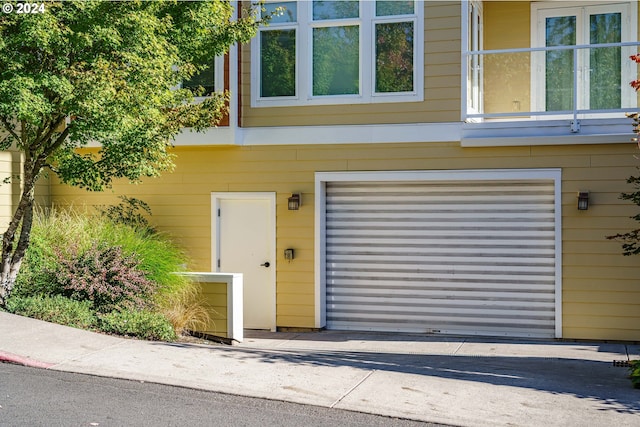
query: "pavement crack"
459, 347
348, 392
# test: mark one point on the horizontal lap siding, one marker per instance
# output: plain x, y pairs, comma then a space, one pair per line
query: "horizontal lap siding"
213, 297
596, 277
11, 165
470, 257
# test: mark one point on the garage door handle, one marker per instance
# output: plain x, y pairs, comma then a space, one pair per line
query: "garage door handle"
266, 264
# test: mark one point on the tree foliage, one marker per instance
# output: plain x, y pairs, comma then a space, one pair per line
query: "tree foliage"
106, 74
631, 239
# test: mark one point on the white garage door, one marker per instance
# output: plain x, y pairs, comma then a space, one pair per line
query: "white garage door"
452, 257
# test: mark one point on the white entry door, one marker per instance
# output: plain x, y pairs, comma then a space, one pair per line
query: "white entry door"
244, 242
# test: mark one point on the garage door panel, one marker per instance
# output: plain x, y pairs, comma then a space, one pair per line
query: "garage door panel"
503, 247
382, 285
460, 257
426, 259
440, 303
453, 267
536, 330
427, 275
415, 231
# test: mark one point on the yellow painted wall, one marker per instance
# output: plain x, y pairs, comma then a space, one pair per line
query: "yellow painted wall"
441, 84
11, 168
601, 288
507, 77
214, 298
9, 192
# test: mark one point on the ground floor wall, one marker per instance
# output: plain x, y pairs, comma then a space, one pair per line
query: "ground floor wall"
600, 287
11, 164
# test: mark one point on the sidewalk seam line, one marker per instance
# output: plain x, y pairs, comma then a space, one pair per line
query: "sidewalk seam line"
84, 356
348, 392
286, 341
459, 347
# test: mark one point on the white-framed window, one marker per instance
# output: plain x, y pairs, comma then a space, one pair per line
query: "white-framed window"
211, 79
338, 52
475, 64
603, 74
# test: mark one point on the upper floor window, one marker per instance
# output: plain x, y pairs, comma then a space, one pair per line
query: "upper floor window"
330, 52
207, 81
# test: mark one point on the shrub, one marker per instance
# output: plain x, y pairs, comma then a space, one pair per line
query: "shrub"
66, 244
142, 324
634, 369
35, 277
185, 309
56, 309
104, 276
131, 212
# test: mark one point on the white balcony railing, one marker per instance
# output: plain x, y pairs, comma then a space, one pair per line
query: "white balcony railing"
546, 83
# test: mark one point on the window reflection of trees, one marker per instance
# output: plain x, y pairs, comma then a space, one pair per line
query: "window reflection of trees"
278, 63
336, 52
394, 57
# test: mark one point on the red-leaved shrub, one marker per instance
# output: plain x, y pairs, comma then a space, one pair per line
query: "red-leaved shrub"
104, 276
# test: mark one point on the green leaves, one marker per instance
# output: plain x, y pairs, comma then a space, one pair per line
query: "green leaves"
111, 68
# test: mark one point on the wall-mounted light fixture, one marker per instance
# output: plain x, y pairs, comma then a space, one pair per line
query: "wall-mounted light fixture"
583, 200
294, 202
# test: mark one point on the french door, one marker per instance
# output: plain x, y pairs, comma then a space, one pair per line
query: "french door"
602, 74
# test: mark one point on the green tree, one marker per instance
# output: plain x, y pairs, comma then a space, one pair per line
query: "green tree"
631, 239
103, 72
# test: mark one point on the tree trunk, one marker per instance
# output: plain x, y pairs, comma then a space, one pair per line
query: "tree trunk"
13, 251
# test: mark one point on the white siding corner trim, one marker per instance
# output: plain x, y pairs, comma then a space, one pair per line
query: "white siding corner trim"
473, 252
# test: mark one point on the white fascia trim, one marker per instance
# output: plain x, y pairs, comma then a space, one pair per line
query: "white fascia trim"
350, 134
380, 134
213, 136
438, 175
310, 135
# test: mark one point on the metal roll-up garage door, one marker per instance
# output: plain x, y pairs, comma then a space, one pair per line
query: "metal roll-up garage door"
442, 257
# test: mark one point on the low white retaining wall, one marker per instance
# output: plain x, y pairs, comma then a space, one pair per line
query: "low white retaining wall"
235, 324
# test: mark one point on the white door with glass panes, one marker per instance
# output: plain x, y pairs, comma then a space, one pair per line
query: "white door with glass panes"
602, 74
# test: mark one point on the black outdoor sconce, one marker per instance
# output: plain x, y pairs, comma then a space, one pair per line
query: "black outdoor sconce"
583, 200
294, 202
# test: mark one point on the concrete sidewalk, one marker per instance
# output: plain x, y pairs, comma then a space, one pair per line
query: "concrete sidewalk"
449, 380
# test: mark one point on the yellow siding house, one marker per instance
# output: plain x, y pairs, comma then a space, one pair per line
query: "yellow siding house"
415, 166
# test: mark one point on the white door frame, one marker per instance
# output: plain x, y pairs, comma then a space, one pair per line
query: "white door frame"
270, 197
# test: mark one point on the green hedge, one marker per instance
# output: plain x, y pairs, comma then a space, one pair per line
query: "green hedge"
56, 309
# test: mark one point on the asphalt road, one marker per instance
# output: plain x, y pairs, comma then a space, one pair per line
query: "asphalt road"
39, 397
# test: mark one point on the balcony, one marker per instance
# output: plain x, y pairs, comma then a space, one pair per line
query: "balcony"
551, 91
548, 72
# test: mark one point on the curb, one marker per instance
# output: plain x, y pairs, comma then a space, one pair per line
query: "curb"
25, 361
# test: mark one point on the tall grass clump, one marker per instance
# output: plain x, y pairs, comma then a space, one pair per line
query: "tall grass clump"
118, 268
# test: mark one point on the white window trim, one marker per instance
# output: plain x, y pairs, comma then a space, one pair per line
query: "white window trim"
474, 38
539, 10
218, 78
304, 49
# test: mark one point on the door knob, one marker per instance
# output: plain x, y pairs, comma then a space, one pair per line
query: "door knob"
266, 264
